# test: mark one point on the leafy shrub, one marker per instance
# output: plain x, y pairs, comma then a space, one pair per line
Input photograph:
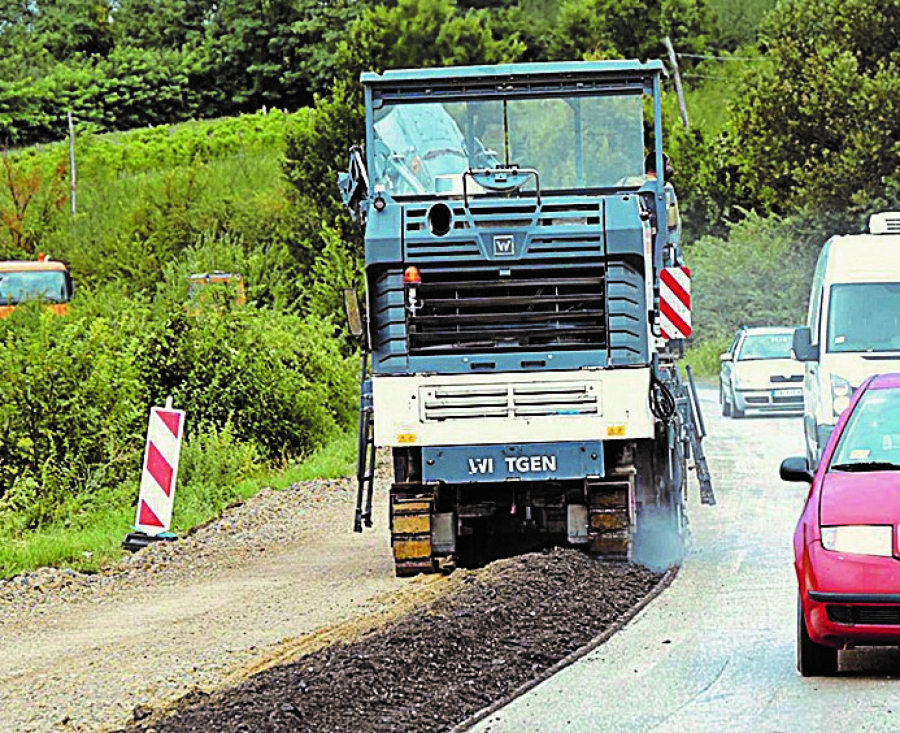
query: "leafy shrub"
214, 458
163, 147
703, 357
71, 399
816, 125
277, 379
75, 392
212, 467
32, 193
758, 275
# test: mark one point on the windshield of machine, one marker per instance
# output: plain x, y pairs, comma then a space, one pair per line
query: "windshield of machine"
871, 440
766, 346
864, 317
576, 142
50, 285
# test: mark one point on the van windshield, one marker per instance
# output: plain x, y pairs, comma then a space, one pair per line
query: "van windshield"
864, 317
17, 287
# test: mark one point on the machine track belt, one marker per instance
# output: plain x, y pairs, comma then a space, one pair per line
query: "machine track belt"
609, 517
411, 513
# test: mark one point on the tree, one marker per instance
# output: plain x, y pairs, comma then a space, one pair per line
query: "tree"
29, 200
254, 49
65, 28
817, 127
417, 33
320, 28
162, 24
316, 151
739, 21
629, 28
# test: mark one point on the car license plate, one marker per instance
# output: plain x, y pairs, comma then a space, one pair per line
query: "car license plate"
787, 392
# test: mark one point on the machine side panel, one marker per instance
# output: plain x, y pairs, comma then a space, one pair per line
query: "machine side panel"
386, 299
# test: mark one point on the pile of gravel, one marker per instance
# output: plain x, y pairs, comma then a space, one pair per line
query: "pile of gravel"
501, 627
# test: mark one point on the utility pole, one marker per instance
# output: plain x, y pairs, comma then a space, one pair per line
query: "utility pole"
72, 160
678, 89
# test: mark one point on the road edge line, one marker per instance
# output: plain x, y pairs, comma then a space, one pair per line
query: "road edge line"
664, 582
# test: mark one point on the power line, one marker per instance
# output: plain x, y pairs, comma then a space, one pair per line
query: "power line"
720, 58
691, 75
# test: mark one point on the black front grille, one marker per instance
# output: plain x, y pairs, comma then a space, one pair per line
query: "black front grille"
779, 379
522, 310
796, 400
866, 615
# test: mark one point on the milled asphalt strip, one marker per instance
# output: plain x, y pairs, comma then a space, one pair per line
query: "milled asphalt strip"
660, 586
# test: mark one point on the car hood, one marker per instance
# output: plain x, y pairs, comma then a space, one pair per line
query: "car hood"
761, 371
855, 367
860, 498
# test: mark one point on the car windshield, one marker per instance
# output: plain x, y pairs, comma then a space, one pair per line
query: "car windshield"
871, 439
17, 287
864, 317
573, 142
766, 346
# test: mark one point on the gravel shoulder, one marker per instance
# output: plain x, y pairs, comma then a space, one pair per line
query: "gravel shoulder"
81, 652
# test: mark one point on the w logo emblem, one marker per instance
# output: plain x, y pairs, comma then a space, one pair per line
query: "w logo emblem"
504, 246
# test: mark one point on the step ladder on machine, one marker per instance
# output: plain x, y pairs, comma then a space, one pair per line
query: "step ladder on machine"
365, 454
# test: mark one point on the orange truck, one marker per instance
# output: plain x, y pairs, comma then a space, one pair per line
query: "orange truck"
44, 279
199, 289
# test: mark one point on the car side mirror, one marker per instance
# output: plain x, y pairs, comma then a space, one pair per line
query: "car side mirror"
728, 356
796, 468
802, 346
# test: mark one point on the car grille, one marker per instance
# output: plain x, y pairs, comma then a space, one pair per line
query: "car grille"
866, 615
757, 400
778, 379
798, 400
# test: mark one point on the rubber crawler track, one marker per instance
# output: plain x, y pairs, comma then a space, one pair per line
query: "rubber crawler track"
664, 582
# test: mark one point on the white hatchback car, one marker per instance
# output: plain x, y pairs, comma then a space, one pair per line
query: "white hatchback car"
758, 373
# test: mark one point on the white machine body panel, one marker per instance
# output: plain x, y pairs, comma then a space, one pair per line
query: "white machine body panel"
506, 408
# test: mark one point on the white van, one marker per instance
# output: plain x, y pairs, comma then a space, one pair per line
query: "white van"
854, 323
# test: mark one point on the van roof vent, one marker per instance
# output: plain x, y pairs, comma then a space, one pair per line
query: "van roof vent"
887, 222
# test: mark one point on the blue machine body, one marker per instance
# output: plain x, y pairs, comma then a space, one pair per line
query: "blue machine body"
512, 235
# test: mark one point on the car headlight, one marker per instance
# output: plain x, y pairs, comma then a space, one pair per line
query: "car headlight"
841, 392
860, 539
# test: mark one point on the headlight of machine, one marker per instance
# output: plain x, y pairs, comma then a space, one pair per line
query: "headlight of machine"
859, 539
841, 391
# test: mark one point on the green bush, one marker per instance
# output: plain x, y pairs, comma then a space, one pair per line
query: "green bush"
703, 357
213, 464
278, 379
75, 392
759, 275
72, 403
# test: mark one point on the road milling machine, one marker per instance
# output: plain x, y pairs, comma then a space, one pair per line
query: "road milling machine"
526, 301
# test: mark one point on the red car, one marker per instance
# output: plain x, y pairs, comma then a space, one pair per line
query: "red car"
846, 549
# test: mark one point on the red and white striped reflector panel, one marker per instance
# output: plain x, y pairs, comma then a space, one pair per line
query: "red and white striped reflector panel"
157, 497
675, 302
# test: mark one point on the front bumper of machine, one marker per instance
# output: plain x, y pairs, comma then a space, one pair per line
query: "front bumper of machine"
512, 408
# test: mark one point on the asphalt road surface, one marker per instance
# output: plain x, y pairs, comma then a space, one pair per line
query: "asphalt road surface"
716, 651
